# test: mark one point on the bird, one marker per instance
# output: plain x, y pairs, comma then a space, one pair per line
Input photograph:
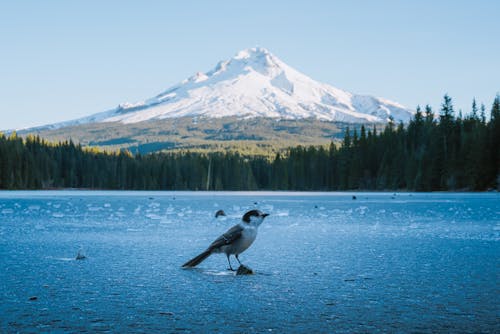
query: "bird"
234, 241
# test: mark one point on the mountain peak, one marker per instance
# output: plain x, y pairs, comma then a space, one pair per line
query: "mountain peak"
255, 83
258, 56
257, 59
252, 53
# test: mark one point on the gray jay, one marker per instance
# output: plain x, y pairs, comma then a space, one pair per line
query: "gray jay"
235, 241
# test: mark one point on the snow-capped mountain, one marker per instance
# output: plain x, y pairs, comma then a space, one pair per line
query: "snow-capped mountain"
254, 83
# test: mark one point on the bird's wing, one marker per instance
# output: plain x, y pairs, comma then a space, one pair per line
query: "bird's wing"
227, 238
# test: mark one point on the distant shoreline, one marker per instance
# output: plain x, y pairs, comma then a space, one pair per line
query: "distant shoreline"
263, 191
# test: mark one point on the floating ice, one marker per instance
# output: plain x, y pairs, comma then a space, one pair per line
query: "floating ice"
153, 216
281, 213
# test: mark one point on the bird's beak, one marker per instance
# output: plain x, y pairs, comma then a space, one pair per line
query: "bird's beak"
264, 215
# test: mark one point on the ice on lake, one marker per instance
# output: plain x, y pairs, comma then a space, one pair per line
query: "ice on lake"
323, 262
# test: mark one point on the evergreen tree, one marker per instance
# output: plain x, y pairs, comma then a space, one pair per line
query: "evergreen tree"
494, 142
427, 154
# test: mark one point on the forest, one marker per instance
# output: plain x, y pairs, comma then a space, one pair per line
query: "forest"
433, 152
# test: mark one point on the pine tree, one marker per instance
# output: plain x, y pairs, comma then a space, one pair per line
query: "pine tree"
494, 142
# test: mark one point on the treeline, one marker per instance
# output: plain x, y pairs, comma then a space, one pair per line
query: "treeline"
447, 152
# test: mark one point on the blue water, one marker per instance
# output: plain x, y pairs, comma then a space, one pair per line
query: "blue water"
384, 262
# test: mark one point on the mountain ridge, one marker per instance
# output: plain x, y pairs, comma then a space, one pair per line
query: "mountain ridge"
251, 136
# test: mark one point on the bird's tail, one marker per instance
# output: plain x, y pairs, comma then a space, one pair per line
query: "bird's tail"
198, 259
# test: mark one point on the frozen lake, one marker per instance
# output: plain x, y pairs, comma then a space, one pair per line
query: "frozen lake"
323, 262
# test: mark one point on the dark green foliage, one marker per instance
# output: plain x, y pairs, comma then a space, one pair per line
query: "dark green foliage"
262, 136
453, 153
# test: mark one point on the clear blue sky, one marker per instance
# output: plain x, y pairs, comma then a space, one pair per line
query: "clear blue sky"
61, 60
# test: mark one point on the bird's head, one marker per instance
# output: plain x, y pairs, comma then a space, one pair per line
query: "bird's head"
254, 217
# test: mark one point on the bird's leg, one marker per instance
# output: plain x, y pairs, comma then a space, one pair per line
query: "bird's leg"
229, 261
237, 258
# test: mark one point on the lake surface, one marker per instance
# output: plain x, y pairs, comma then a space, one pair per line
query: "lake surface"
323, 262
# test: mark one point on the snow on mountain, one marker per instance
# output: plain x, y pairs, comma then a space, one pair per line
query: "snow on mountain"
254, 83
